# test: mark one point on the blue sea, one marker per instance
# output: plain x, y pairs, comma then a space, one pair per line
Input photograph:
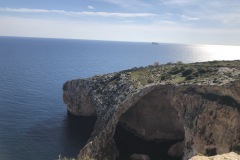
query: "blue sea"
33, 117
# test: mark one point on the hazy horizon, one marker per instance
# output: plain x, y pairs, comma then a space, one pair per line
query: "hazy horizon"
174, 21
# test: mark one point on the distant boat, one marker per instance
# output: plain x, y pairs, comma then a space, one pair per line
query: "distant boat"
154, 43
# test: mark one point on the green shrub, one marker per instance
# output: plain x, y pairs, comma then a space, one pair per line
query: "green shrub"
189, 77
150, 81
165, 77
196, 74
176, 70
187, 72
202, 70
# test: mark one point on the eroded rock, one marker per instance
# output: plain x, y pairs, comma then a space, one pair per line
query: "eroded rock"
176, 150
154, 118
161, 103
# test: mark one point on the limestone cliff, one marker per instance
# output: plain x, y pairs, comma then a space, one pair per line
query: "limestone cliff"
198, 104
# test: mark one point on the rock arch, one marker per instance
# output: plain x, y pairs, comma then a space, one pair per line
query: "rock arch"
211, 126
153, 117
156, 121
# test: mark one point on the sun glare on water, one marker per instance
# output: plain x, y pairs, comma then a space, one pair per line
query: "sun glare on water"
221, 52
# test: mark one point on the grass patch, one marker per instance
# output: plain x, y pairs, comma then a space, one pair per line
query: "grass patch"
179, 80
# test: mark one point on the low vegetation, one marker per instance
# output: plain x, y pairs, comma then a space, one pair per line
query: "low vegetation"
201, 72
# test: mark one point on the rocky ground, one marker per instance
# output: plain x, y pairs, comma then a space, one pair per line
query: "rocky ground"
227, 156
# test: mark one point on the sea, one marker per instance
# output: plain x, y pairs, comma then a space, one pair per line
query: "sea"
33, 118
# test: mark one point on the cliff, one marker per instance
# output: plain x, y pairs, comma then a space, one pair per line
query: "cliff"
197, 105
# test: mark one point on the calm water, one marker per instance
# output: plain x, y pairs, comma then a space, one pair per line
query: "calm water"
33, 120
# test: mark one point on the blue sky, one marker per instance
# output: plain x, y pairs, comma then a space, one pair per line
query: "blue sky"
174, 21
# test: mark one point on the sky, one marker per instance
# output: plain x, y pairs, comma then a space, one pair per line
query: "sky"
164, 21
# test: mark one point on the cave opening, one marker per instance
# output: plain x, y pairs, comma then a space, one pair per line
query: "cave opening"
151, 127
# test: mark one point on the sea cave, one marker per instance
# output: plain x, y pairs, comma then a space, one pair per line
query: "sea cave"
150, 127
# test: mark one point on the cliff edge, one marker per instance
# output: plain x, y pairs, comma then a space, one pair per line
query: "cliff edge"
196, 104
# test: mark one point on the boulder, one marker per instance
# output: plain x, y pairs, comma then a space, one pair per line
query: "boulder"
176, 150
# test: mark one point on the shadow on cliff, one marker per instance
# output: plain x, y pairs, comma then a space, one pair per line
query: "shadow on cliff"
78, 130
151, 126
128, 144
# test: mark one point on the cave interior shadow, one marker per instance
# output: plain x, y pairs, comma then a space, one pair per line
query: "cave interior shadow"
129, 144
151, 116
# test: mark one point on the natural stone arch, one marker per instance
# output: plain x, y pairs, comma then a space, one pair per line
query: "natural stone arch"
154, 117
205, 95
106, 125
194, 107
155, 120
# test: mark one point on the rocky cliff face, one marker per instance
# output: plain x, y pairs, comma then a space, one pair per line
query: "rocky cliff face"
197, 105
